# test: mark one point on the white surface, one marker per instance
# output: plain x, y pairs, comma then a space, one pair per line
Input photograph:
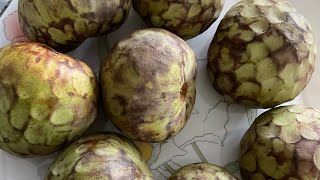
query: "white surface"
215, 127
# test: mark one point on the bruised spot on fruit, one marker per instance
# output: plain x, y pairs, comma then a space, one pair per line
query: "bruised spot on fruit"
305, 150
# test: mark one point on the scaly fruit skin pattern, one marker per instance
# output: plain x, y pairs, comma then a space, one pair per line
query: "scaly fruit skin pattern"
282, 144
65, 24
148, 84
100, 157
185, 18
47, 99
202, 172
263, 53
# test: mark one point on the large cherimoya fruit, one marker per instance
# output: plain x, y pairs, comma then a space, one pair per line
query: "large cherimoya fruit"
148, 84
263, 53
47, 99
65, 24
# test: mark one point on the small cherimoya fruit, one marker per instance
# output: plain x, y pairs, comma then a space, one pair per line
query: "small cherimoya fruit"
281, 144
100, 156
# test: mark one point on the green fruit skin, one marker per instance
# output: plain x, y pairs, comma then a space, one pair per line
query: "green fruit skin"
263, 53
100, 157
148, 84
65, 24
47, 99
202, 171
282, 144
185, 18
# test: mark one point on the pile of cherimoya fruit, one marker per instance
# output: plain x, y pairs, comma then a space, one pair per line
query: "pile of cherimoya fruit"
262, 55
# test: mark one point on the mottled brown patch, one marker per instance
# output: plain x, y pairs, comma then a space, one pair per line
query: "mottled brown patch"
305, 150
71, 7
122, 100
118, 76
71, 94
38, 59
285, 55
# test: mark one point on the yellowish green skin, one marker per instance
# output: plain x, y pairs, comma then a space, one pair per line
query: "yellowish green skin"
47, 99
185, 18
263, 53
202, 172
148, 84
282, 144
65, 24
100, 157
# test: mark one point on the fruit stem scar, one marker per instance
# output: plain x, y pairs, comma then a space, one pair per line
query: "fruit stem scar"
183, 92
